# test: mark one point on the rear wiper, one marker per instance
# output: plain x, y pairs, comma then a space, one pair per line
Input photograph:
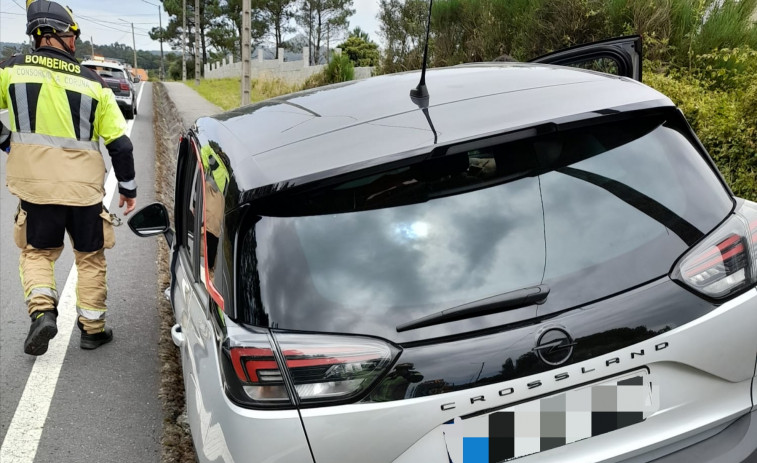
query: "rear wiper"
494, 304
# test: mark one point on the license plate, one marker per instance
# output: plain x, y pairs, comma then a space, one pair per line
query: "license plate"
553, 421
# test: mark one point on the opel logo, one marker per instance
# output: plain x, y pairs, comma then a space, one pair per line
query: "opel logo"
554, 346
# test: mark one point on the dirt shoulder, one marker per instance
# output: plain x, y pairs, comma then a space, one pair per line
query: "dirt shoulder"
176, 440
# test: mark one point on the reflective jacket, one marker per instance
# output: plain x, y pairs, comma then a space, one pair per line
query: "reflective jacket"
58, 111
216, 179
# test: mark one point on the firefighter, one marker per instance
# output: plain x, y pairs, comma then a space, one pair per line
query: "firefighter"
58, 113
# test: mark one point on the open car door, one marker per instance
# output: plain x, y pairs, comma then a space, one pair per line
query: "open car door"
620, 56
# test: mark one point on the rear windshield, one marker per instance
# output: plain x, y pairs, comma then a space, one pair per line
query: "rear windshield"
109, 72
590, 212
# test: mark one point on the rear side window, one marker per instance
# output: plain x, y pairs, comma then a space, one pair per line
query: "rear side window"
590, 212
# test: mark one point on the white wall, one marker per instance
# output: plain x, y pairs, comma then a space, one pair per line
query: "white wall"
292, 72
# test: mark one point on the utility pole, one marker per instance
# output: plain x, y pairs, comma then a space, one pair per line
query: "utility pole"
184, 41
160, 24
134, 44
197, 42
92, 44
246, 52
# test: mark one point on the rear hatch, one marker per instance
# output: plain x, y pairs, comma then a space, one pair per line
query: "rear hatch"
114, 78
485, 262
119, 87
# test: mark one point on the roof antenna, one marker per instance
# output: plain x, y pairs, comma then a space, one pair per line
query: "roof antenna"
421, 92
419, 95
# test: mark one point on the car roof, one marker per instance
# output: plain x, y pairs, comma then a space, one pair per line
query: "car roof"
104, 64
318, 133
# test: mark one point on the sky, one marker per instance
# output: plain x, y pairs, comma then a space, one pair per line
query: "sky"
108, 21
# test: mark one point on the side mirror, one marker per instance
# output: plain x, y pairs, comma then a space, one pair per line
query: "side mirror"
135, 79
152, 220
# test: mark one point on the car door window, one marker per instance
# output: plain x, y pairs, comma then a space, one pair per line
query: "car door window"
195, 226
189, 204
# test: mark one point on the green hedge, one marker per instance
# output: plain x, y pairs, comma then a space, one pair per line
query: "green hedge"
339, 69
724, 120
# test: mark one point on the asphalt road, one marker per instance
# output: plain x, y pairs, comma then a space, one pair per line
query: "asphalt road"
104, 406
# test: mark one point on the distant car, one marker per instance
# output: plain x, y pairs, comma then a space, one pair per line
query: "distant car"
120, 81
535, 262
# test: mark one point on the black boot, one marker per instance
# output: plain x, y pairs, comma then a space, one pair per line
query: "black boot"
43, 329
93, 341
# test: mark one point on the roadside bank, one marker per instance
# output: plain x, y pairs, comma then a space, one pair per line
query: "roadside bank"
175, 109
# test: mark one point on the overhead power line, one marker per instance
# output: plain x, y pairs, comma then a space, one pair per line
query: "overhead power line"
87, 18
110, 27
118, 23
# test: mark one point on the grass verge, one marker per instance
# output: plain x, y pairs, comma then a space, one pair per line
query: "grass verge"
227, 93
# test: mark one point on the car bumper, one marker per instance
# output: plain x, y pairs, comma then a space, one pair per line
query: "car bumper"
736, 443
124, 101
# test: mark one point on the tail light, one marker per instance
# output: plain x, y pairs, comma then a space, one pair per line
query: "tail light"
313, 368
724, 263
124, 86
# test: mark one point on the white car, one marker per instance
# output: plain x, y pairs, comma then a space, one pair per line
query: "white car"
534, 262
120, 81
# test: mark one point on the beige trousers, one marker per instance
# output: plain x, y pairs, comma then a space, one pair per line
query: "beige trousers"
37, 269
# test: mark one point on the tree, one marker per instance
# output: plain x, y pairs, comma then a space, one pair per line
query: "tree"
321, 20
225, 32
222, 32
360, 34
403, 26
361, 50
172, 33
277, 14
305, 18
124, 53
9, 49
7, 53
